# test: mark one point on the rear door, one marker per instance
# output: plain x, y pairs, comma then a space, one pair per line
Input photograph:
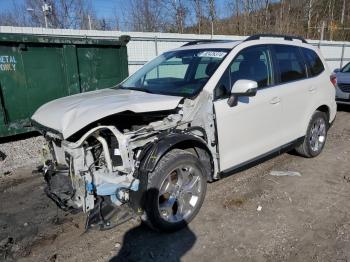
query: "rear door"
297, 89
252, 127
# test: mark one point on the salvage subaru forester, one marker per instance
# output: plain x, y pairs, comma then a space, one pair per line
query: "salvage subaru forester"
150, 144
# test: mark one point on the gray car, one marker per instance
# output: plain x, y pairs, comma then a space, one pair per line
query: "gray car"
343, 84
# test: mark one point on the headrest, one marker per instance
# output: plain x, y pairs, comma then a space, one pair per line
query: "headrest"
211, 67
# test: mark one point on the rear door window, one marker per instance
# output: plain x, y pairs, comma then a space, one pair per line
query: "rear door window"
314, 62
291, 66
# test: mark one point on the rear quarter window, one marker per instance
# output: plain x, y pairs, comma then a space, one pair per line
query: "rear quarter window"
314, 62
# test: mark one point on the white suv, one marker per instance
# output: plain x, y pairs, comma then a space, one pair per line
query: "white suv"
149, 146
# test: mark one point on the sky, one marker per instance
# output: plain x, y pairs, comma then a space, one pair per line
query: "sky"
104, 8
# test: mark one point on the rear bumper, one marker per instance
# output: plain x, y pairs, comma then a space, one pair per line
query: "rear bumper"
342, 97
343, 101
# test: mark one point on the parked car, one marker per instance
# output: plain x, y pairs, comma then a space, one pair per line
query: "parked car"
342, 78
149, 145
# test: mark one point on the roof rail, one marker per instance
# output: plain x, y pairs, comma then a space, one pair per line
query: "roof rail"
207, 41
285, 37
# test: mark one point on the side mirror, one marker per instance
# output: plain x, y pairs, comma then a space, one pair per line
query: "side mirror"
337, 70
242, 88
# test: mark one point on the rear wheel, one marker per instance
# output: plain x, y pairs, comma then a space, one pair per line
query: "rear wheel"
175, 191
315, 137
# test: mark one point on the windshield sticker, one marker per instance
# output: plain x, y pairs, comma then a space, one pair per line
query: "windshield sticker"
214, 54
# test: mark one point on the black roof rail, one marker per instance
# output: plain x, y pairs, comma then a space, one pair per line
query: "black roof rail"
285, 37
207, 41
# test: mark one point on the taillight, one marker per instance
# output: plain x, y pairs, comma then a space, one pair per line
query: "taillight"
333, 79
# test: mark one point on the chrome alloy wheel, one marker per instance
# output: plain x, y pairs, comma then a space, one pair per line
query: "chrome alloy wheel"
318, 134
179, 193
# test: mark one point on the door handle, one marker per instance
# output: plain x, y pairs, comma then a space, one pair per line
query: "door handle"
312, 89
275, 100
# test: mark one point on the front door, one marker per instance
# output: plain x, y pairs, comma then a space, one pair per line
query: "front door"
253, 126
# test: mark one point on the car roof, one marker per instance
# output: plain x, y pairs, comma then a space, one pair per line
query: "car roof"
210, 45
226, 44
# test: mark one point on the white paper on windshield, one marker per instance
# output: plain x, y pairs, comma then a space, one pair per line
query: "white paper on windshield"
213, 54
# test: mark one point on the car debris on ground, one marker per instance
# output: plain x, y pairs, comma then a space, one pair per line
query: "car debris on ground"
284, 173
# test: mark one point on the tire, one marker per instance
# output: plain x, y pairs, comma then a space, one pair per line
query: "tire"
175, 191
316, 136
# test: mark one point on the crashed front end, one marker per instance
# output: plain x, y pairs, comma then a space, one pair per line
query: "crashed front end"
97, 173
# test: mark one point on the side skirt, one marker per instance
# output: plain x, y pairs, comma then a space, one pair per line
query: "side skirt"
262, 158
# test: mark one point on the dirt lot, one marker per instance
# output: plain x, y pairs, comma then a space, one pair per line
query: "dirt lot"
303, 218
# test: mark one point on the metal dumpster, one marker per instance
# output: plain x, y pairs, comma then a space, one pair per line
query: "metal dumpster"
35, 69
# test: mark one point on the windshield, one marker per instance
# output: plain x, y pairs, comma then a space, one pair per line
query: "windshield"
179, 73
346, 69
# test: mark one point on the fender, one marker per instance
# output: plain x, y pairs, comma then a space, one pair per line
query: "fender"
151, 155
164, 144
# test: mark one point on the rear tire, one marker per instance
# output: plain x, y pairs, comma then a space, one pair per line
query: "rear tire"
175, 191
315, 137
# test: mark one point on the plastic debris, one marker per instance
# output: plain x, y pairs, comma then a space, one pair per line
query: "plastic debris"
259, 208
284, 173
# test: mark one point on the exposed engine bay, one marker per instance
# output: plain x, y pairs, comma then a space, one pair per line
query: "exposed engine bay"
99, 168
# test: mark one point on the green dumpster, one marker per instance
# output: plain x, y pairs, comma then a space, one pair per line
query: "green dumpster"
35, 69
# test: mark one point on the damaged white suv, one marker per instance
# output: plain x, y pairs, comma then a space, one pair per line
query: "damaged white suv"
149, 146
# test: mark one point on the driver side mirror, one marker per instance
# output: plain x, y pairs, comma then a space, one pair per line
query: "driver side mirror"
337, 70
242, 87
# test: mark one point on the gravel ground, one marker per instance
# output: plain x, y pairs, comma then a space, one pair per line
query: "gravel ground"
21, 153
250, 216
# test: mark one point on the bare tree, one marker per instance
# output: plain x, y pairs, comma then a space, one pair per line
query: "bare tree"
146, 15
178, 11
198, 9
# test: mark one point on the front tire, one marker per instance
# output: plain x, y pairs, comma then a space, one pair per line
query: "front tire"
315, 137
175, 191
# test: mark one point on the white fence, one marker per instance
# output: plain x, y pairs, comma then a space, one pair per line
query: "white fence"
145, 46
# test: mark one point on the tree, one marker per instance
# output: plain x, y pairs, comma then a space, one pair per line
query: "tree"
146, 15
198, 10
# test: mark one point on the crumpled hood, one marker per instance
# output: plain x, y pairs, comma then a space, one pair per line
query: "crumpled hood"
68, 115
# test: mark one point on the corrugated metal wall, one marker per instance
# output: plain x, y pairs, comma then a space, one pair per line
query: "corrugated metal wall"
145, 46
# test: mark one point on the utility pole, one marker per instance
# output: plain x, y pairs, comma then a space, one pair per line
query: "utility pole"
322, 33
89, 18
343, 13
212, 16
47, 10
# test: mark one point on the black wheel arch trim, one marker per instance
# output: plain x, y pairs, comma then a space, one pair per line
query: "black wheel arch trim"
153, 152
151, 155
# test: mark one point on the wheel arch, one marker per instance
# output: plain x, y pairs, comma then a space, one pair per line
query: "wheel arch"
310, 112
184, 141
325, 109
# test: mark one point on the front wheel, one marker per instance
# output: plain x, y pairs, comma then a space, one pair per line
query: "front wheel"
175, 191
315, 137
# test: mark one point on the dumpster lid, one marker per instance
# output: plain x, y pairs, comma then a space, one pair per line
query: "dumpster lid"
64, 39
